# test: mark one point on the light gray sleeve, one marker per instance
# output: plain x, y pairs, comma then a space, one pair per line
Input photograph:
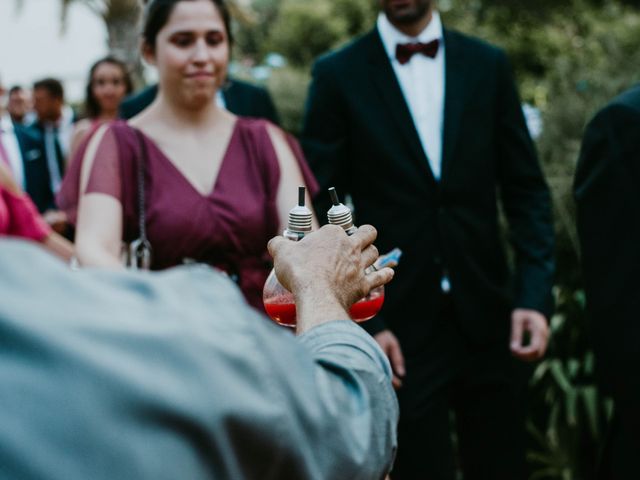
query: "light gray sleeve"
343, 411
170, 375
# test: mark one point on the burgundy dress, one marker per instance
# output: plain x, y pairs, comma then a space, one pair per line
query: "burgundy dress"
228, 228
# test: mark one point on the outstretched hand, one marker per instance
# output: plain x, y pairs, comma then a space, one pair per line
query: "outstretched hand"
325, 271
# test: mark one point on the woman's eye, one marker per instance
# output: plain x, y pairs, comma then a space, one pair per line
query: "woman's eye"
214, 38
182, 40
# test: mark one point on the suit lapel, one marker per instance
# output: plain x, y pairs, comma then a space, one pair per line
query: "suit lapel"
456, 87
385, 80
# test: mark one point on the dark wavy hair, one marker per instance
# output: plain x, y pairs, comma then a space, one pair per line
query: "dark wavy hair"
91, 105
157, 12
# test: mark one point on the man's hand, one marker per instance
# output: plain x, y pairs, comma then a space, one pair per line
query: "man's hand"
533, 323
325, 272
391, 347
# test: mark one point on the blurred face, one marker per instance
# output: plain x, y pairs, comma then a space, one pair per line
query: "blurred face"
108, 86
48, 107
19, 104
406, 12
191, 53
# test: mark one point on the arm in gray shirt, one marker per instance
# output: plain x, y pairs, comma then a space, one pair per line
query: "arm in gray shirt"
171, 376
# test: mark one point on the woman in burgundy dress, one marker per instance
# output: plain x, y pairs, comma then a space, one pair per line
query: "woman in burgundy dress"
218, 186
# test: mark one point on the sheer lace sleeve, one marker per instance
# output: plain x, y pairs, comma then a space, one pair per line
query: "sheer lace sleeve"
95, 168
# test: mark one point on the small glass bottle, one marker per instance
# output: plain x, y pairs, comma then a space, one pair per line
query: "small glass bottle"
278, 301
367, 307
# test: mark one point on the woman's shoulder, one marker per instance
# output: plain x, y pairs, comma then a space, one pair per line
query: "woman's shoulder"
260, 131
255, 124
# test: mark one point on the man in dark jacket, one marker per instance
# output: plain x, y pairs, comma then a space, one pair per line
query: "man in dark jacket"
607, 190
240, 98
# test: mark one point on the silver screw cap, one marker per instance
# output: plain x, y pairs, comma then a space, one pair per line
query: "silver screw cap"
300, 217
339, 214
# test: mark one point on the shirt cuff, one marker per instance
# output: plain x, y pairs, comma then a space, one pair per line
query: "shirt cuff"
349, 337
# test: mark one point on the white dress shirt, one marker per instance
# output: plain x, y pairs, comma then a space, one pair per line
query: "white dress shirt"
422, 81
11, 146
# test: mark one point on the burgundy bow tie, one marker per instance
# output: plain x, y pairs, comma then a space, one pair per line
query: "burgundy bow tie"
404, 51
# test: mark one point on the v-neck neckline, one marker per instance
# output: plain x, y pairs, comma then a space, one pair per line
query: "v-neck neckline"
172, 165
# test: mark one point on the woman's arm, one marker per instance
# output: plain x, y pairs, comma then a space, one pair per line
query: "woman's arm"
99, 225
59, 246
290, 178
6, 180
53, 242
80, 130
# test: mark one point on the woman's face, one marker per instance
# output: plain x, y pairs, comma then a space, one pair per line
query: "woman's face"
109, 86
192, 53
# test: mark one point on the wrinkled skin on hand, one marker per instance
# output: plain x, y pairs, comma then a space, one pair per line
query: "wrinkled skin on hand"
325, 271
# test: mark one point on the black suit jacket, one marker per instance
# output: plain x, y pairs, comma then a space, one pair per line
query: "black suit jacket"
607, 190
36, 170
359, 136
241, 98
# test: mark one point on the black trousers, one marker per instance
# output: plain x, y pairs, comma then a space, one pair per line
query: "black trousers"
461, 407
622, 445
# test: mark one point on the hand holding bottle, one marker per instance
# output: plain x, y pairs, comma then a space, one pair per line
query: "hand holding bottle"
325, 272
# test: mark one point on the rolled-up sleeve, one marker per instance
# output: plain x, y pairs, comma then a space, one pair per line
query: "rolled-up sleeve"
349, 414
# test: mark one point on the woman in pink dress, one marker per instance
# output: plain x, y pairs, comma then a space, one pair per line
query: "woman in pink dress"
19, 218
217, 186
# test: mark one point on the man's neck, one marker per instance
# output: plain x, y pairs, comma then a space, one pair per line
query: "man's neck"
414, 29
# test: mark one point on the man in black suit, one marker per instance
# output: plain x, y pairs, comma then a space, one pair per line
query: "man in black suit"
607, 190
423, 127
54, 122
240, 98
22, 150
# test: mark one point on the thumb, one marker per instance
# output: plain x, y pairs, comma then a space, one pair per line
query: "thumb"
274, 245
517, 329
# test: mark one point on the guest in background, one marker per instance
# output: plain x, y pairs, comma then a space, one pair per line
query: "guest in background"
109, 83
22, 152
607, 191
54, 122
20, 106
218, 186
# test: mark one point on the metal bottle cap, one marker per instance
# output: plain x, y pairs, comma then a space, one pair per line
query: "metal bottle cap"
340, 214
300, 217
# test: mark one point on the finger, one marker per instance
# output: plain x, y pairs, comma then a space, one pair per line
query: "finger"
369, 256
526, 355
517, 328
364, 236
531, 352
274, 245
539, 339
396, 382
396, 358
379, 278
